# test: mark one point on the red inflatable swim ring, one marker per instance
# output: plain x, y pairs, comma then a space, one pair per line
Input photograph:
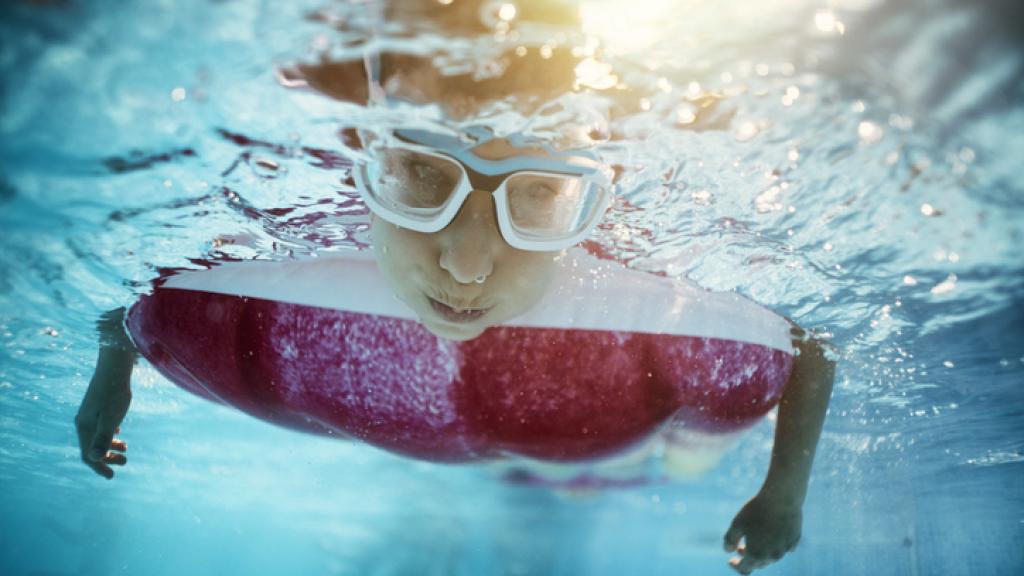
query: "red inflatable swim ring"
609, 358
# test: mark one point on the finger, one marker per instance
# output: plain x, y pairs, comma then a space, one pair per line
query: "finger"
115, 458
102, 470
747, 564
119, 445
101, 442
732, 536
734, 563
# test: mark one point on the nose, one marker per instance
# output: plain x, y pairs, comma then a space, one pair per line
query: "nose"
470, 241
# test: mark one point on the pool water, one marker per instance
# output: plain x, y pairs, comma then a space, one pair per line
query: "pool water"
850, 164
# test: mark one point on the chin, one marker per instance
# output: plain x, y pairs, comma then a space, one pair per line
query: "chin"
458, 334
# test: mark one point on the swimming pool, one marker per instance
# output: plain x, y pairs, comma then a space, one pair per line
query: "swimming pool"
850, 165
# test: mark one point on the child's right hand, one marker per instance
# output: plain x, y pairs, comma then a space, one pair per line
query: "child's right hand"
99, 418
107, 400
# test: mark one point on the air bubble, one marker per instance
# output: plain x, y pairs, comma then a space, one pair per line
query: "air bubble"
746, 131
266, 167
869, 132
702, 198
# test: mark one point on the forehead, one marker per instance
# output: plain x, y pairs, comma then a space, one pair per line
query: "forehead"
507, 151
502, 148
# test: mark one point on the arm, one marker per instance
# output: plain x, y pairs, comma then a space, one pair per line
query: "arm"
771, 521
107, 400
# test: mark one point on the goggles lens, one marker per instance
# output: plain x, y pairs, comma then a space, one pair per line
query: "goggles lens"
549, 206
413, 182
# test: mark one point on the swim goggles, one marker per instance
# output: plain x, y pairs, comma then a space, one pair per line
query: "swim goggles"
545, 200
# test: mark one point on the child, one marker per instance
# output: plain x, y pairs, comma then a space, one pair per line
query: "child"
473, 232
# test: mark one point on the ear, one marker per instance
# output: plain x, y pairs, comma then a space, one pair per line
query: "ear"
619, 170
351, 137
360, 138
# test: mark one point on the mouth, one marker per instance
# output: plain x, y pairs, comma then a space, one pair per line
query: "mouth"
450, 314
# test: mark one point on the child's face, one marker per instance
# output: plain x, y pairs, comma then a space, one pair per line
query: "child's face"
466, 277
436, 274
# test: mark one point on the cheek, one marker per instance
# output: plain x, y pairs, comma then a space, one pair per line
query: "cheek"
401, 254
531, 274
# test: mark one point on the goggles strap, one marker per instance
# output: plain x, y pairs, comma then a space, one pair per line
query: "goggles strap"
371, 57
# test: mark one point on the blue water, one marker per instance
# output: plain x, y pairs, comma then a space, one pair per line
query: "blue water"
851, 165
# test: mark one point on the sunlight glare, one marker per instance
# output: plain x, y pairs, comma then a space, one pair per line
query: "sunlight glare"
628, 26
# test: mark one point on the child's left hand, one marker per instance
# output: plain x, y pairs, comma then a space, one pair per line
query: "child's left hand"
771, 528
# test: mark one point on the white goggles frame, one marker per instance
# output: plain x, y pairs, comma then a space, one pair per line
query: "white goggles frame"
589, 175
